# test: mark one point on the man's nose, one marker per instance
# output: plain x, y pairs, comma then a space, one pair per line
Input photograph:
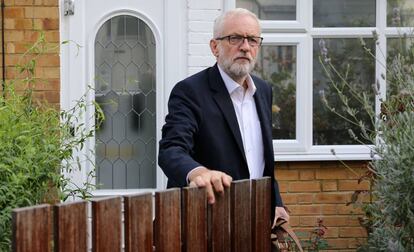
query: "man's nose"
245, 46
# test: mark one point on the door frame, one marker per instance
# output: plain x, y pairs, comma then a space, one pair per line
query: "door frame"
77, 66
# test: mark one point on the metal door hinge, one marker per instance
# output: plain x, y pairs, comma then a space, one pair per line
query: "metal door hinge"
68, 7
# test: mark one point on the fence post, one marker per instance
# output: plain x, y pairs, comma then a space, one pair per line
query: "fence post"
261, 215
219, 223
70, 222
168, 220
106, 224
138, 223
194, 219
241, 234
32, 229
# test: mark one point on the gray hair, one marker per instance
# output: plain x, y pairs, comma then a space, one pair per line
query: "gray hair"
218, 23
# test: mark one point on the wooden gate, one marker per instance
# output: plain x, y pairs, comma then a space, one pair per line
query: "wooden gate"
238, 221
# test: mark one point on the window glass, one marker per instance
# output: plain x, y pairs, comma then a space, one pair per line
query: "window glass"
125, 89
270, 9
277, 66
358, 69
341, 13
400, 53
400, 13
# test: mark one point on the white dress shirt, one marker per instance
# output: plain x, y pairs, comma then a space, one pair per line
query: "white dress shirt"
249, 123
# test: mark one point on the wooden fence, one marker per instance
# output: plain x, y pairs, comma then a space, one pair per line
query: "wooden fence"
238, 221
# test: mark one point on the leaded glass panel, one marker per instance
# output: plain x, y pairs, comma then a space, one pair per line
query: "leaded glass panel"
125, 89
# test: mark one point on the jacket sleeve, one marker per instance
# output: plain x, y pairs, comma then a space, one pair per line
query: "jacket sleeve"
177, 143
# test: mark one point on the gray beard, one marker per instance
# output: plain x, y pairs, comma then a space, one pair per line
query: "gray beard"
236, 70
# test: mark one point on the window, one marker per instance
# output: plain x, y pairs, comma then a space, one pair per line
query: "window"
302, 35
125, 89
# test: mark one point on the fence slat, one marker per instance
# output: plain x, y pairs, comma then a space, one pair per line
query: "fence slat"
70, 222
240, 212
106, 224
168, 220
261, 220
219, 223
138, 222
32, 229
194, 219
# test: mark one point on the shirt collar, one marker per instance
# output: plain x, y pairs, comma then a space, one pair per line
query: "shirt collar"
231, 85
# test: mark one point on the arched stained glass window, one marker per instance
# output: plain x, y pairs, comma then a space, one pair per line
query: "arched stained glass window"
125, 87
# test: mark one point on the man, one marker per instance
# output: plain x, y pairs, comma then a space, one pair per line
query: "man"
219, 123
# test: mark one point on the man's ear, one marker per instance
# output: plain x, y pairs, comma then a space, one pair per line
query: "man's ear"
213, 47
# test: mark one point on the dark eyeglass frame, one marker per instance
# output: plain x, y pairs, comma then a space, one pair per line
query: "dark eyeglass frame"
253, 41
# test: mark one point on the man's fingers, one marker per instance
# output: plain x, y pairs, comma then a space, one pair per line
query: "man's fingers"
217, 183
210, 194
226, 179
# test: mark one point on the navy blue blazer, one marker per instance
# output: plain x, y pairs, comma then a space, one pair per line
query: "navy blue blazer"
201, 128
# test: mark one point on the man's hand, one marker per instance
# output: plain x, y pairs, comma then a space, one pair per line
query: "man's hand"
280, 212
213, 181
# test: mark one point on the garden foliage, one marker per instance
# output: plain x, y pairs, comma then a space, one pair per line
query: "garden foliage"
390, 213
36, 145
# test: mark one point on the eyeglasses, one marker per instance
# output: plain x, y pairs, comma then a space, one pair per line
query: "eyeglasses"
237, 40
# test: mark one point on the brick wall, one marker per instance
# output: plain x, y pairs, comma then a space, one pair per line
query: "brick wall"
320, 190
22, 21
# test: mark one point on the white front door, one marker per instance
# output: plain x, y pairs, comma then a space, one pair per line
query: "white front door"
131, 52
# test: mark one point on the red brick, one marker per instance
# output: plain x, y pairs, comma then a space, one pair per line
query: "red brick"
305, 198
330, 232
13, 35
328, 186
52, 36
356, 242
289, 198
45, 12
335, 221
331, 173
287, 174
304, 165
281, 165
331, 198
352, 232
307, 174
46, 24
305, 186
52, 96
23, 24
294, 221
48, 60
329, 209
14, 12
305, 209
50, 3
354, 221
23, 2
308, 221
283, 186
350, 209
338, 243
352, 185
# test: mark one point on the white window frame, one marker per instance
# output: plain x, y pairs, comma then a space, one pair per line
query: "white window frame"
301, 32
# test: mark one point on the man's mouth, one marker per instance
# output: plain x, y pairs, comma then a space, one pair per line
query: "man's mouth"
242, 58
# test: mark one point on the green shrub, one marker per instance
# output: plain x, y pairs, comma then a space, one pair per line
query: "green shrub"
36, 146
390, 214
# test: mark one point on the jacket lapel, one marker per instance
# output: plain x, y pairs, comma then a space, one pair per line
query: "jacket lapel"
265, 124
223, 100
